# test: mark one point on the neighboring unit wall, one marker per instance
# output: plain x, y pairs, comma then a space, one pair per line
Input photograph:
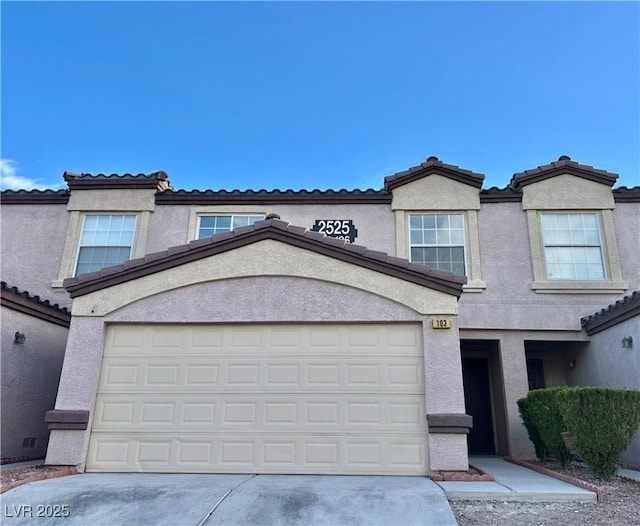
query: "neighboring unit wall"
607, 362
30, 373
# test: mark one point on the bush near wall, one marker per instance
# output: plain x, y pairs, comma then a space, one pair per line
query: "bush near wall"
602, 422
524, 406
546, 418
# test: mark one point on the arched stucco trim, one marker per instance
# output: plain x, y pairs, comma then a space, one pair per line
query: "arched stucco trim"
266, 258
264, 299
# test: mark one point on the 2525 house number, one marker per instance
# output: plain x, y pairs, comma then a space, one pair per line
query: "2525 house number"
340, 228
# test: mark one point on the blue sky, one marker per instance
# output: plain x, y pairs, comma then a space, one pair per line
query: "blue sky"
315, 95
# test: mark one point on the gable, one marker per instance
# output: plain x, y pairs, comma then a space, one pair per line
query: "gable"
268, 248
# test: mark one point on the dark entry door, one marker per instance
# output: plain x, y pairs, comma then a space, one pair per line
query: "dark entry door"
477, 398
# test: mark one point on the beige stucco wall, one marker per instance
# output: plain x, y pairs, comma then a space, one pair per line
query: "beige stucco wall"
567, 192
436, 192
29, 381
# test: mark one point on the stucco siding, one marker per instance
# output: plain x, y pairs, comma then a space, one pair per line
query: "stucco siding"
626, 217
509, 302
170, 224
605, 362
29, 381
33, 238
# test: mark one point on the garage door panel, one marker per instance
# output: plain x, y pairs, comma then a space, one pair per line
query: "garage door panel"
220, 374
355, 455
343, 399
282, 340
278, 413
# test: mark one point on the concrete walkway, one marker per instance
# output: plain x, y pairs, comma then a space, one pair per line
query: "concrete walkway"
514, 483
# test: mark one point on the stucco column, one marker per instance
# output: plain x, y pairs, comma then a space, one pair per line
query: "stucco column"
444, 396
516, 385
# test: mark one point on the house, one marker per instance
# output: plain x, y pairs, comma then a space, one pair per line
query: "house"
381, 331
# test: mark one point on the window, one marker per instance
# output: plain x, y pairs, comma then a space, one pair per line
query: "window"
572, 246
210, 225
105, 240
437, 240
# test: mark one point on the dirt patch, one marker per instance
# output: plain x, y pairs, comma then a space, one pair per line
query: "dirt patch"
621, 505
12, 478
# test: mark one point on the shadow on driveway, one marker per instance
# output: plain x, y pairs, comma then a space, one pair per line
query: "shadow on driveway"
108, 499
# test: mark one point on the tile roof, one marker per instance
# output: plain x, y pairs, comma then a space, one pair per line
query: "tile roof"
626, 195
22, 301
620, 311
34, 197
267, 229
216, 197
433, 166
85, 181
564, 165
500, 195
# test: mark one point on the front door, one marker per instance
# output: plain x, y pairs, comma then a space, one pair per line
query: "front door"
477, 399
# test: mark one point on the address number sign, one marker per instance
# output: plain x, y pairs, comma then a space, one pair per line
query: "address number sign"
340, 228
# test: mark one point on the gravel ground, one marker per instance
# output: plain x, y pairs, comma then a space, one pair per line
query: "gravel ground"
621, 506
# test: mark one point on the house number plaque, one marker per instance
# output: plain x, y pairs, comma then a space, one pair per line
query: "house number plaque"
441, 323
340, 228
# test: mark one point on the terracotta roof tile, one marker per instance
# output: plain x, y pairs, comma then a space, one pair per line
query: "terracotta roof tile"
34, 197
622, 310
626, 195
87, 181
564, 165
238, 197
32, 305
433, 166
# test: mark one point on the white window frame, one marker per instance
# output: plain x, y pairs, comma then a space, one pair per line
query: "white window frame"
440, 245
82, 229
220, 210
542, 284
232, 216
475, 283
549, 245
69, 260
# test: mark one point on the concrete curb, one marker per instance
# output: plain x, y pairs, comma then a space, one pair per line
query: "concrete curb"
38, 476
559, 476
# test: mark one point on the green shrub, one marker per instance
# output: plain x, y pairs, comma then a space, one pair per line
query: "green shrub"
602, 422
524, 406
547, 419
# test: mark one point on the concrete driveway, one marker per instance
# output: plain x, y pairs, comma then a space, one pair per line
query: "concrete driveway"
197, 500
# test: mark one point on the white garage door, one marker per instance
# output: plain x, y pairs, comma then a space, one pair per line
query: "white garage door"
323, 399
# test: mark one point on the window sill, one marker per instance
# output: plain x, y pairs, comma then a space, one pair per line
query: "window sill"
57, 284
474, 287
579, 287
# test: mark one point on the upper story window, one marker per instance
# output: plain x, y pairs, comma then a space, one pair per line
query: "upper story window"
210, 225
105, 240
572, 246
437, 240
